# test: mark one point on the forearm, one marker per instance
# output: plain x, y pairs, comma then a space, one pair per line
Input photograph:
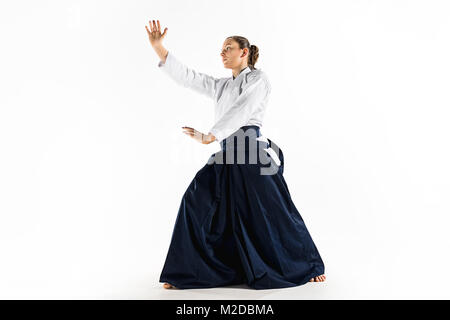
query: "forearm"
161, 52
185, 76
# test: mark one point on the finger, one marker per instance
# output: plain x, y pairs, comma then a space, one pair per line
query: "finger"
150, 24
154, 26
165, 31
159, 26
188, 128
148, 31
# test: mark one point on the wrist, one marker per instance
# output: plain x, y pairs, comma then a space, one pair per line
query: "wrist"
211, 137
206, 139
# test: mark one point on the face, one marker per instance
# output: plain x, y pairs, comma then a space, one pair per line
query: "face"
232, 56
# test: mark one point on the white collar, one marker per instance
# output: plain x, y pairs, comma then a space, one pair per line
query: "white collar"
243, 71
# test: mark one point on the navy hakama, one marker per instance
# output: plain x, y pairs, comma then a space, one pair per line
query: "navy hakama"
238, 226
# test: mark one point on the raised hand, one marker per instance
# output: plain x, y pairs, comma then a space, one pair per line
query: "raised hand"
154, 34
198, 136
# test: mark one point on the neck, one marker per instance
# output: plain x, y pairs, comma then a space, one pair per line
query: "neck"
238, 70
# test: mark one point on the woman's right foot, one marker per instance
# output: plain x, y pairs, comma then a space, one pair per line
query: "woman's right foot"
320, 278
168, 286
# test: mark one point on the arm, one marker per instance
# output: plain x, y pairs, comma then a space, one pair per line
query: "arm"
187, 77
242, 109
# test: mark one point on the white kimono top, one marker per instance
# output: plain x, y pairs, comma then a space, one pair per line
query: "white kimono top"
239, 101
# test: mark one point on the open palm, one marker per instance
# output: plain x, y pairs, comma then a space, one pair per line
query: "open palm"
195, 134
154, 34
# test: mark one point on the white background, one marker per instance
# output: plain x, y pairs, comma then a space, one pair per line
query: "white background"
93, 161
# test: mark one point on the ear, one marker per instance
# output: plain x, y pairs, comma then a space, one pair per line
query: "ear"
245, 53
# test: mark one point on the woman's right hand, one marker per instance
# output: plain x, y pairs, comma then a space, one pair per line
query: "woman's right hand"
198, 136
154, 34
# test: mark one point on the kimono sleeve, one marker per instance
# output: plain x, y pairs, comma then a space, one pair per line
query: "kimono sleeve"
255, 95
187, 77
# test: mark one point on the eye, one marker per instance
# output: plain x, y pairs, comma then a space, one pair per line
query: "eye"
227, 47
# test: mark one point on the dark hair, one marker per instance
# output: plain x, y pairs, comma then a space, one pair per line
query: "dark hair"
252, 49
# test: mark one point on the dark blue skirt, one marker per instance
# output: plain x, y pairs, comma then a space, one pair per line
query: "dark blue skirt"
237, 223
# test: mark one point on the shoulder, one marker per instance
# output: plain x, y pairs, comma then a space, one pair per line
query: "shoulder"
258, 75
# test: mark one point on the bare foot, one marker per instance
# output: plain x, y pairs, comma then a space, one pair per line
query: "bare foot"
320, 278
168, 286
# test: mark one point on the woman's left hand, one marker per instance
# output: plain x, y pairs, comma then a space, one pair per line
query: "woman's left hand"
198, 136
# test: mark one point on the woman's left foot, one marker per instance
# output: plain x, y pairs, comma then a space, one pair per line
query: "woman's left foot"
168, 286
320, 278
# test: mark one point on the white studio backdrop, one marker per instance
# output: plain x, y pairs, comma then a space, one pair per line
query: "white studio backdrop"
93, 161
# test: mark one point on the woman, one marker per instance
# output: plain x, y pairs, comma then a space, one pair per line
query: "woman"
236, 222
